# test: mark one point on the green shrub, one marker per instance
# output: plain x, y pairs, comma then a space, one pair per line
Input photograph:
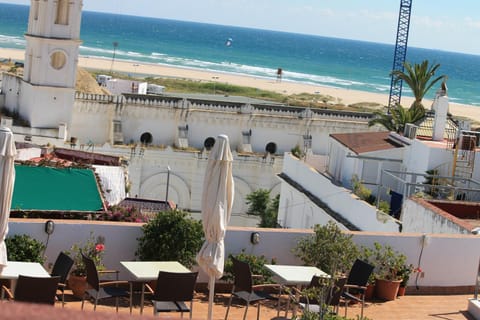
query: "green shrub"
24, 248
361, 191
384, 206
171, 236
329, 249
297, 152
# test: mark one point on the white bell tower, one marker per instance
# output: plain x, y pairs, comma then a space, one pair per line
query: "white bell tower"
51, 58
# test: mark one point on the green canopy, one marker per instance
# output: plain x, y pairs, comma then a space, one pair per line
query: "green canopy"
45, 188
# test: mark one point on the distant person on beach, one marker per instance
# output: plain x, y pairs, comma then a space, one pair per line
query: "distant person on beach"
279, 74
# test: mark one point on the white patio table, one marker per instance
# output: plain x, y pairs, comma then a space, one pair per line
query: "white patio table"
294, 275
144, 271
15, 268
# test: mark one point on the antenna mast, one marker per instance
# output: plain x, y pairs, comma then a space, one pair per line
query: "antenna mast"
400, 52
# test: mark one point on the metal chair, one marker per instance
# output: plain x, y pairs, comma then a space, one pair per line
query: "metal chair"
172, 291
102, 290
61, 268
34, 290
244, 289
357, 284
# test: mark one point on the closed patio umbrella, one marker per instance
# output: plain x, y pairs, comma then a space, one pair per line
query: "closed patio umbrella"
7, 178
217, 201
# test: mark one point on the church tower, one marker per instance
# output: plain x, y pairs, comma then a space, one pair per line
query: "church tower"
51, 58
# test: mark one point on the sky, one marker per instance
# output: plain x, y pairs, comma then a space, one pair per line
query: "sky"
440, 24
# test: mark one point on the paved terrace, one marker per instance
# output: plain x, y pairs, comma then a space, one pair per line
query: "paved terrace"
445, 307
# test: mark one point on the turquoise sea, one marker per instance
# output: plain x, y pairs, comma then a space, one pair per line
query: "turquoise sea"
309, 59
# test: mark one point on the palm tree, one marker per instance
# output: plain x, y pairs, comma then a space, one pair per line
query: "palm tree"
419, 78
398, 118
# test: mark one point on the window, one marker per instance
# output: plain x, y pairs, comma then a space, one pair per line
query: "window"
35, 9
209, 142
62, 12
146, 138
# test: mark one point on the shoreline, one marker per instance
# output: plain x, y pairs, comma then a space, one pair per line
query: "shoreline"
344, 96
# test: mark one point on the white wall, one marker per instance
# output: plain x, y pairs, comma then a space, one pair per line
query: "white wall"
419, 218
148, 174
447, 260
119, 86
343, 201
296, 210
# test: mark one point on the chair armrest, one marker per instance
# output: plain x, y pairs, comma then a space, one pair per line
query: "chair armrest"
111, 283
266, 285
149, 288
106, 272
353, 286
7, 291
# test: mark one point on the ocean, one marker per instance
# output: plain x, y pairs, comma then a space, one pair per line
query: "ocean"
323, 61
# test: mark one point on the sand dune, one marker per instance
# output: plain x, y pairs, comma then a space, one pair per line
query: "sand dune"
344, 96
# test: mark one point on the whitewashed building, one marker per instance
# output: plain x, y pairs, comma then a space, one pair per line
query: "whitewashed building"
154, 132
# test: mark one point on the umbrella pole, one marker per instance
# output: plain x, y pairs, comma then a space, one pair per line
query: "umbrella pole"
211, 293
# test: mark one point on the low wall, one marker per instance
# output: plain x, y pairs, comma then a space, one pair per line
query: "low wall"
449, 262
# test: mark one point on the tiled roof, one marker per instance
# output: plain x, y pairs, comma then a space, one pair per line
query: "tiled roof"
146, 204
361, 142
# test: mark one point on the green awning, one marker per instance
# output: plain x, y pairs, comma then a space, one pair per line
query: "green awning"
45, 188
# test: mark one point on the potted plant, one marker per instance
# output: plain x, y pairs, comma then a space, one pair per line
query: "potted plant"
388, 264
93, 248
405, 272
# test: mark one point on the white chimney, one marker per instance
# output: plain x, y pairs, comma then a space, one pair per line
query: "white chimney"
440, 106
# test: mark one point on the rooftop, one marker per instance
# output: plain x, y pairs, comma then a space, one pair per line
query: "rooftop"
360, 142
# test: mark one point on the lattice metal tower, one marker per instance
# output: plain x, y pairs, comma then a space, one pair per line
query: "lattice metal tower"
400, 51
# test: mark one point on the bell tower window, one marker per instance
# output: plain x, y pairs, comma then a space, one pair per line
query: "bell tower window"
58, 60
35, 9
62, 12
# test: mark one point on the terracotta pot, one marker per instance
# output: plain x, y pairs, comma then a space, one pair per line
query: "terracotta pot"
78, 285
387, 289
401, 291
369, 292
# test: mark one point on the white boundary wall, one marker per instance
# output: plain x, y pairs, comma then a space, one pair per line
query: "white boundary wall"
447, 260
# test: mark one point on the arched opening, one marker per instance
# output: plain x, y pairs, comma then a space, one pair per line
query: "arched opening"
62, 12
271, 147
146, 138
209, 142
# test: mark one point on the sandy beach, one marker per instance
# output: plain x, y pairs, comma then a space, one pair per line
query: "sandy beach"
344, 96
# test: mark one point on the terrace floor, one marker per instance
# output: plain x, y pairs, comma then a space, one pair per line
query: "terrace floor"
444, 307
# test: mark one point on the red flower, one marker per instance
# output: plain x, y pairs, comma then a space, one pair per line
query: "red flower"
100, 247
